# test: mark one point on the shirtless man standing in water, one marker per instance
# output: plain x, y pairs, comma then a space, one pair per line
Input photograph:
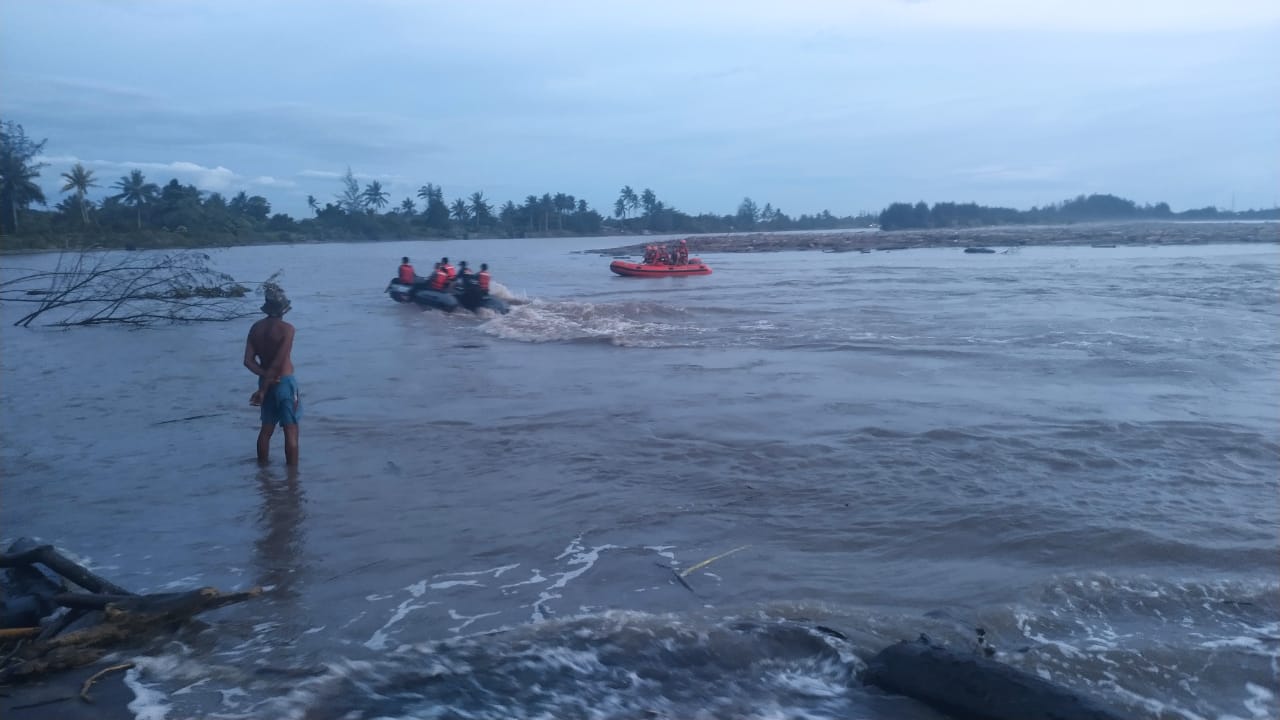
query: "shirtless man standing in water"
267, 355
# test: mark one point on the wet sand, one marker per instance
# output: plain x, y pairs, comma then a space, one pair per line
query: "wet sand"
1099, 234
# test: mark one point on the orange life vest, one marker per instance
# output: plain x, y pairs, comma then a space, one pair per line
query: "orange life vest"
406, 274
482, 280
440, 279
452, 273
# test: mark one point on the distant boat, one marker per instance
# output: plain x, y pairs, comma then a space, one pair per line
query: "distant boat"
693, 266
979, 250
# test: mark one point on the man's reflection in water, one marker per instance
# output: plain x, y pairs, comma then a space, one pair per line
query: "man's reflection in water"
278, 551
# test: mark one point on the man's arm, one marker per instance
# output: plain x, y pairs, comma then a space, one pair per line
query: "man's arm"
251, 360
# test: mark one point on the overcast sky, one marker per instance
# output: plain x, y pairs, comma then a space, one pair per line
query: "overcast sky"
845, 105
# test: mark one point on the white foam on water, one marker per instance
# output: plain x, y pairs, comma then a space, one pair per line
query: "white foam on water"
577, 556
148, 703
1261, 702
496, 572
380, 637
454, 614
535, 577
189, 581
1156, 707
446, 584
543, 321
1024, 620
810, 685
663, 551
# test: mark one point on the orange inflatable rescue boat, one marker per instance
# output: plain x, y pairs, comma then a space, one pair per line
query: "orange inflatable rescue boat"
694, 266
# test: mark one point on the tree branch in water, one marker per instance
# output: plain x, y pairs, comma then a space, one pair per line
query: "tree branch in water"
129, 288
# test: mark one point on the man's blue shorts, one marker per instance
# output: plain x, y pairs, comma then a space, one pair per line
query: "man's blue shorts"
282, 404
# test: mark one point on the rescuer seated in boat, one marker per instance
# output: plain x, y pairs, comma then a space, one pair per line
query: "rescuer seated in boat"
482, 281
650, 254
407, 276
682, 253
664, 258
439, 279
444, 263
465, 278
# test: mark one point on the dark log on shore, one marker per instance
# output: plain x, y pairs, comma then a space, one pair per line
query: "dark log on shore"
967, 686
49, 557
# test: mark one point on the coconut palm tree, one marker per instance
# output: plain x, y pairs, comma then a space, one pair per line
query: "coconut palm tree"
407, 207
80, 180
460, 212
374, 196
480, 210
564, 204
626, 204
18, 170
136, 192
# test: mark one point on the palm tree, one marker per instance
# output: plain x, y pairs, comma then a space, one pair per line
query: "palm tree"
633, 202
18, 168
79, 180
459, 211
407, 207
135, 192
480, 210
374, 196
650, 202
547, 206
564, 204
531, 210
311, 203
627, 203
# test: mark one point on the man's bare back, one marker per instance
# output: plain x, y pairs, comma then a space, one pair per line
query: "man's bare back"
269, 347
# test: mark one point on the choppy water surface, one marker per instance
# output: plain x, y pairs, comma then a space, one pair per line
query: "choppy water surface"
1074, 448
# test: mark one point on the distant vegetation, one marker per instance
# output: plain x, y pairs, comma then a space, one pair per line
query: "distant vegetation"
1092, 208
139, 213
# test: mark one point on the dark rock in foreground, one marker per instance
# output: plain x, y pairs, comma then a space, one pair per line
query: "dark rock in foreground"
1095, 234
967, 686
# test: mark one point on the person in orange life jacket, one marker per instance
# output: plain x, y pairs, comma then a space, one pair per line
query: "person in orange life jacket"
650, 254
407, 275
663, 257
682, 253
482, 280
439, 279
444, 263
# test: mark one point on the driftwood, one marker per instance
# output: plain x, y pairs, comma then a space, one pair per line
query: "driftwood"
49, 557
84, 689
95, 622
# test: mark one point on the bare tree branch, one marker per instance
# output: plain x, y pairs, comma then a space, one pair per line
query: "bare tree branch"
129, 288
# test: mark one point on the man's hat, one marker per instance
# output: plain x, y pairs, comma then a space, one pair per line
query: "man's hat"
277, 302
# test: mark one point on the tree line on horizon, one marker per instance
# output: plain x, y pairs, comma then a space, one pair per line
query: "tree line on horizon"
143, 213
1082, 208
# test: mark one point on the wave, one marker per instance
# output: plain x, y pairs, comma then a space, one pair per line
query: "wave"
629, 324
1167, 649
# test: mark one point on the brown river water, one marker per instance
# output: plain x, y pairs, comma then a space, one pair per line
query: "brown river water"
1076, 448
